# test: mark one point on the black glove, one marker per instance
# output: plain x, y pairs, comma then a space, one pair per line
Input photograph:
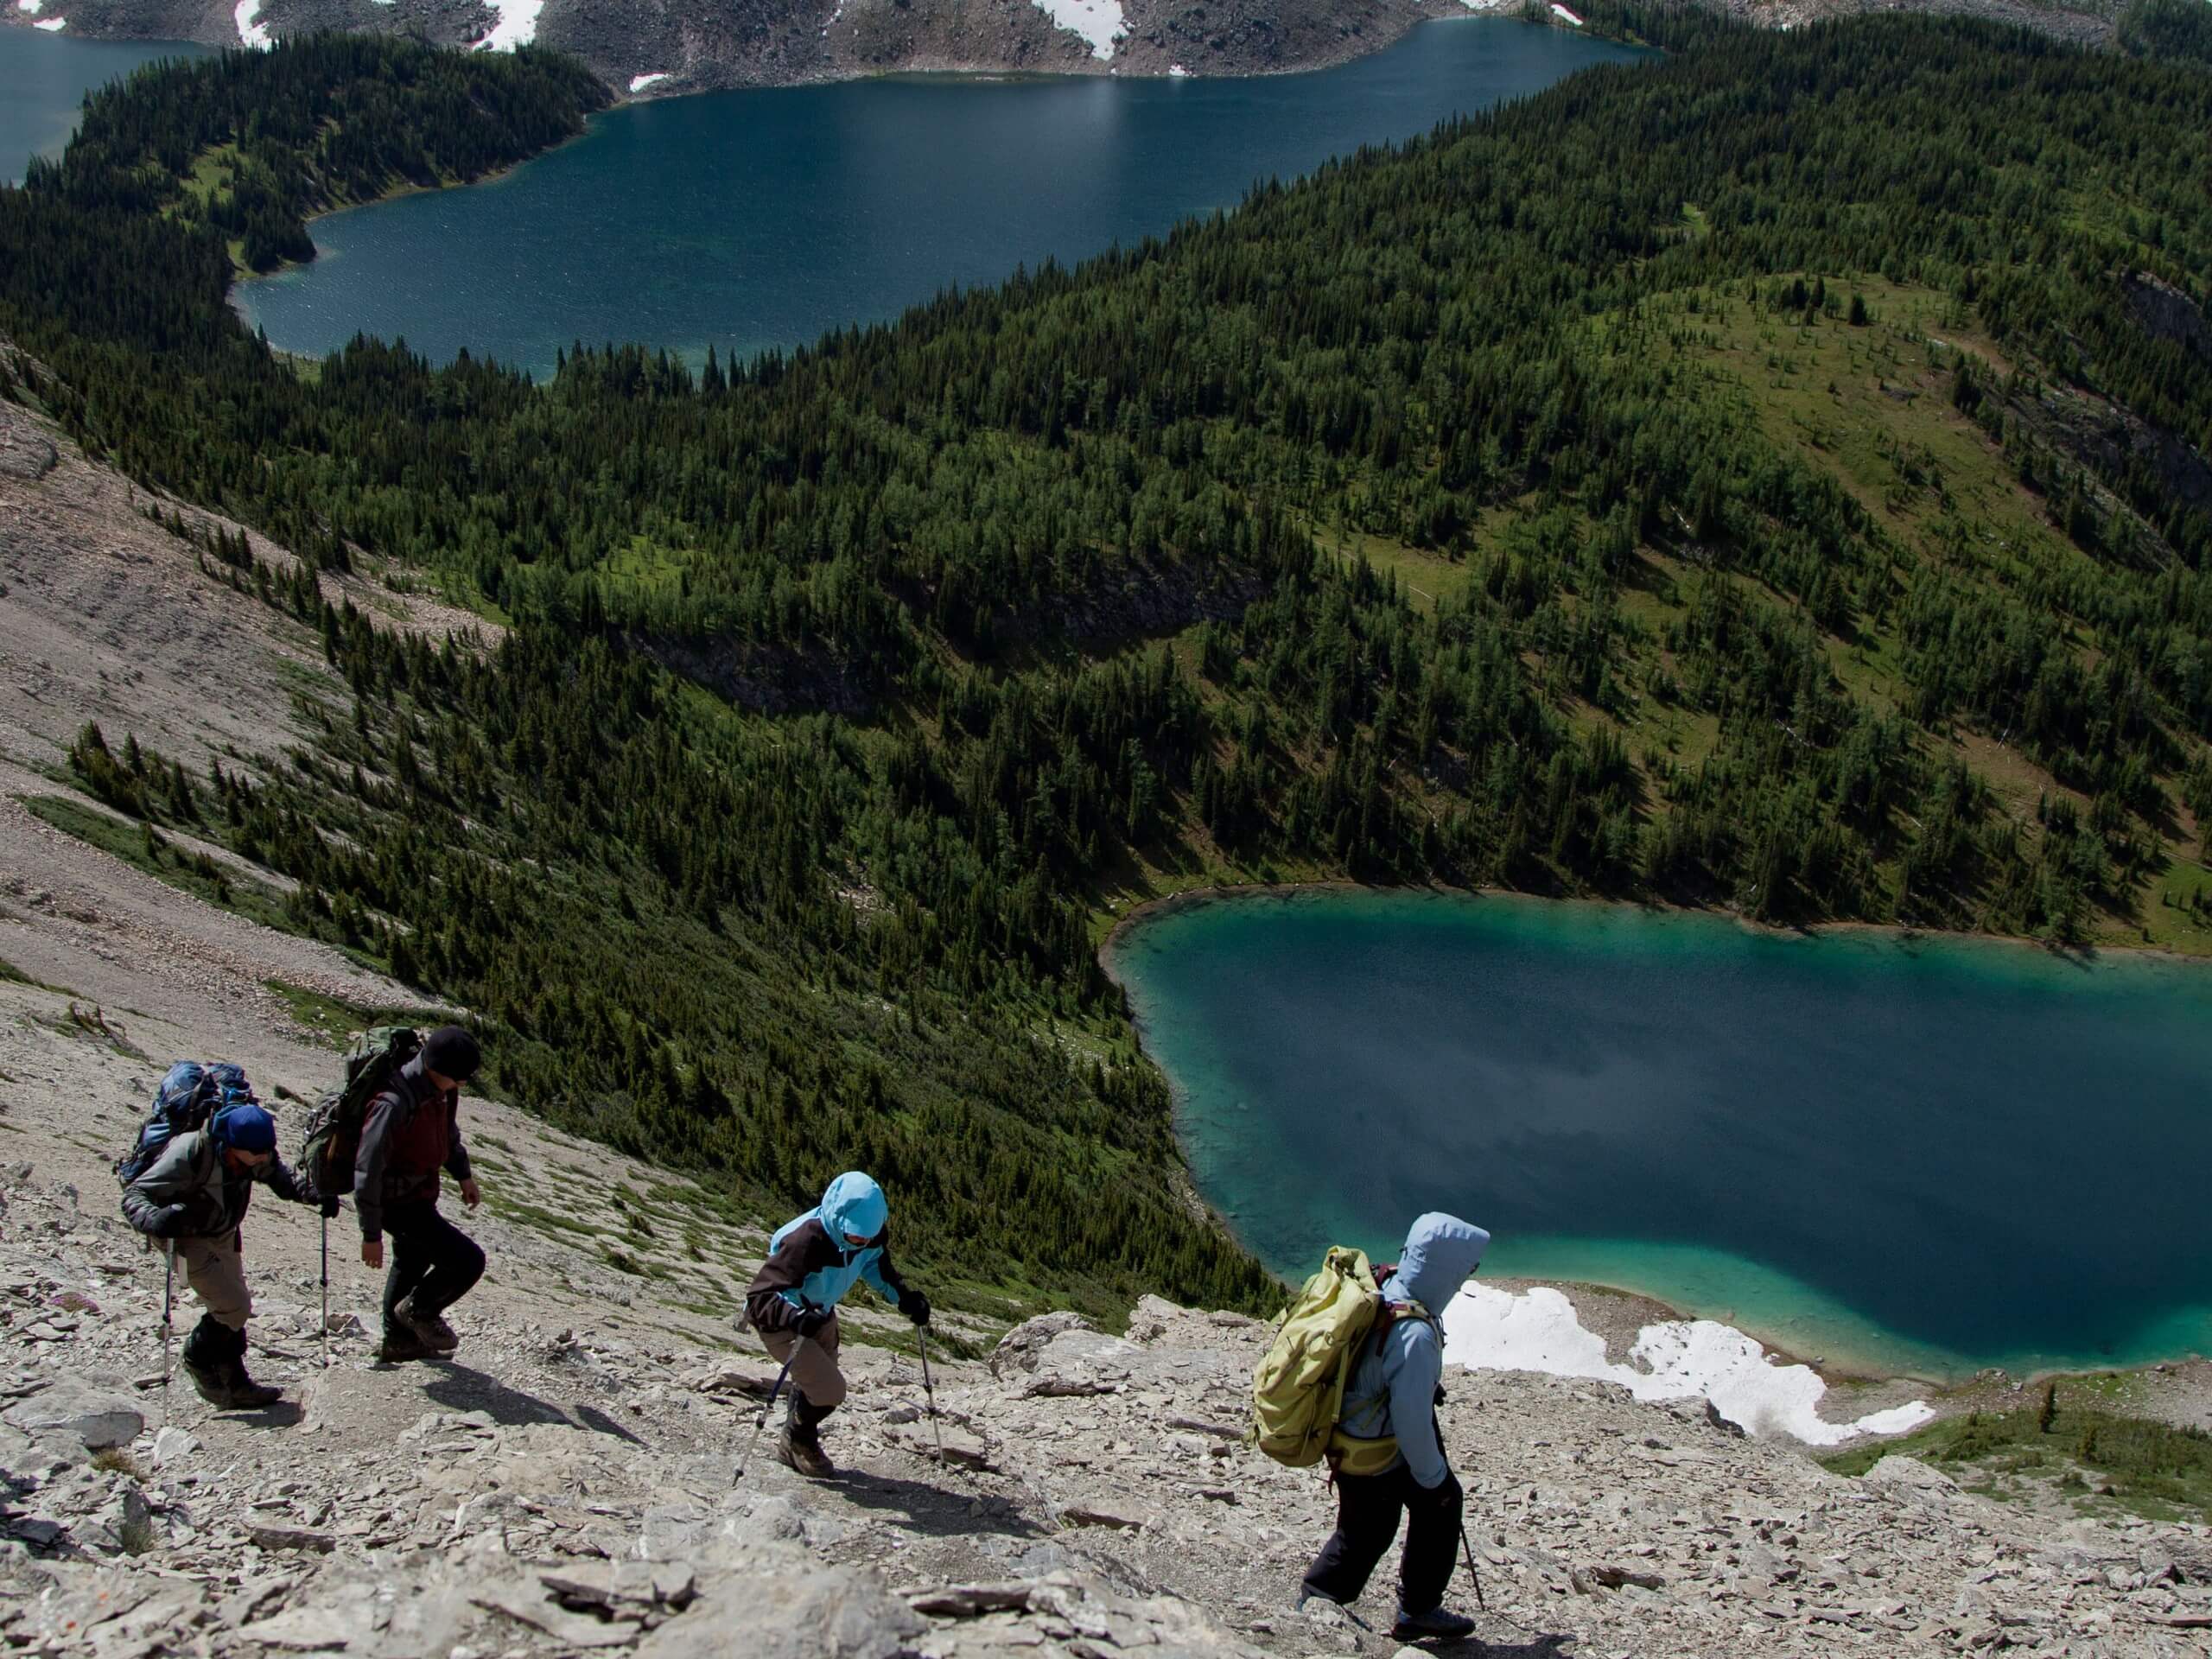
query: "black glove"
169, 1221
813, 1322
914, 1306
329, 1206
1446, 1494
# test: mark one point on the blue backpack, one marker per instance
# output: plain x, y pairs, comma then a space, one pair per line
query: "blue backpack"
189, 1095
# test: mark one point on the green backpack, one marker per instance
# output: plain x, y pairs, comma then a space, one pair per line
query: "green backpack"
333, 1136
1297, 1392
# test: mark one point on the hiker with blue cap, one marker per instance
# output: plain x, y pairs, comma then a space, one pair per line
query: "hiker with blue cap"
813, 1259
193, 1197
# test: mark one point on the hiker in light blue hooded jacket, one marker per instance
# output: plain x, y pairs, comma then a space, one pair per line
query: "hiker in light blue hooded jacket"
813, 1259
1393, 1392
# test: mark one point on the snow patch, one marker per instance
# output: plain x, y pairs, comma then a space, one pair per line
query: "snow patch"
1559, 10
1099, 21
53, 25
518, 24
251, 33
28, 7
639, 83
1537, 1330
1177, 72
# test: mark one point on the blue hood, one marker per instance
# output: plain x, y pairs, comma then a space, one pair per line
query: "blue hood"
1441, 1252
854, 1204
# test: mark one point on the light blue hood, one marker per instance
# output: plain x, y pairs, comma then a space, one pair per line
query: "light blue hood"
1441, 1252
854, 1203
1393, 1391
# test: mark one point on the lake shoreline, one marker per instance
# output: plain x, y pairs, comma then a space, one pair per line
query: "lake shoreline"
1169, 904
232, 295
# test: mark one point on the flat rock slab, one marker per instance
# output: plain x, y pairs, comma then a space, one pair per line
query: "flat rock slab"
783, 1604
100, 1415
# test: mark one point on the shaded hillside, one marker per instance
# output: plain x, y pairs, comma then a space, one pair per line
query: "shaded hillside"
1770, 478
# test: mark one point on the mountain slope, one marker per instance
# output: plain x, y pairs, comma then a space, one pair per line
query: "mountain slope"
564, 1483
1771, 479
669, 46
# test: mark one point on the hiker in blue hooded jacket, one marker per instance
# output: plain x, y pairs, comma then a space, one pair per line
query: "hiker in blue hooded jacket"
813, 1259
193, 1198
1394, 1392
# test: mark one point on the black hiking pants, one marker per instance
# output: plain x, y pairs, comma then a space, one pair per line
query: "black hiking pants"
1368, 1507
431, 1259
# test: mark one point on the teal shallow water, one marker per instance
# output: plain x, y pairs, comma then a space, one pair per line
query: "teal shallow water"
43, 80
752, 219
1918, 1155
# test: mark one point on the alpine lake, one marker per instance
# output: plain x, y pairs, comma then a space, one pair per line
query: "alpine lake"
748, 221
1900, 1156
43, 79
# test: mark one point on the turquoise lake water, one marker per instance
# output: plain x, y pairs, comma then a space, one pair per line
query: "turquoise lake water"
1919, 1155
752, 219
43, 80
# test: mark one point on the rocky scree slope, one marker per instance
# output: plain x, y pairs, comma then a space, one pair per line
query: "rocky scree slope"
692, 45
670, 46
563, 1485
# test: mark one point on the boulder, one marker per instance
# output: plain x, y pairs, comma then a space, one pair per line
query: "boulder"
1018, 1349
98, 1414
1081, 1362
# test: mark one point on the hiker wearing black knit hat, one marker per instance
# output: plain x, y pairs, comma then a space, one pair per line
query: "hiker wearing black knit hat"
193, 1197
410, 1131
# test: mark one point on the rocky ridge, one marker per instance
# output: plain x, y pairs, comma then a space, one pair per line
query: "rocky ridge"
663, 46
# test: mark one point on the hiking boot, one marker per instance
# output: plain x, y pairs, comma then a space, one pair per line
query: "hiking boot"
431, 1331
212, 1382
401, 1344
207, 1356
1435, 1625
804, 1457
246, 1395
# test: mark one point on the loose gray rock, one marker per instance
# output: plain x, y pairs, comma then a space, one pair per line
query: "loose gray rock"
96, 1413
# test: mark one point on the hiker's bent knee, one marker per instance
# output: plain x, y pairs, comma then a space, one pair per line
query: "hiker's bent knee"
817, 1377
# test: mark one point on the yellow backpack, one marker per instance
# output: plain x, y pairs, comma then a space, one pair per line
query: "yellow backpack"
1297, 1392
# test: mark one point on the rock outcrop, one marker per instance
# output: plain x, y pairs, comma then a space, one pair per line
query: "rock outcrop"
677, 45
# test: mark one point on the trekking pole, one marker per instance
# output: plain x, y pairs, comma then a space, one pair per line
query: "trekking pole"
326, 1290
1472, 1574
169, 1326
929, 1390
753, 1444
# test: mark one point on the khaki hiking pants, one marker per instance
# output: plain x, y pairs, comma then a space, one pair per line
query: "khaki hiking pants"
213, 1267
815, 1372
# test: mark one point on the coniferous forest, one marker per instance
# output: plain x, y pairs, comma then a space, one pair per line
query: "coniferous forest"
1773, 476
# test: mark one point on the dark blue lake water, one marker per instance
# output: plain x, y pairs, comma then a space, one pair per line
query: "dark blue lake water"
43, 80
757, 219
1929, 1156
